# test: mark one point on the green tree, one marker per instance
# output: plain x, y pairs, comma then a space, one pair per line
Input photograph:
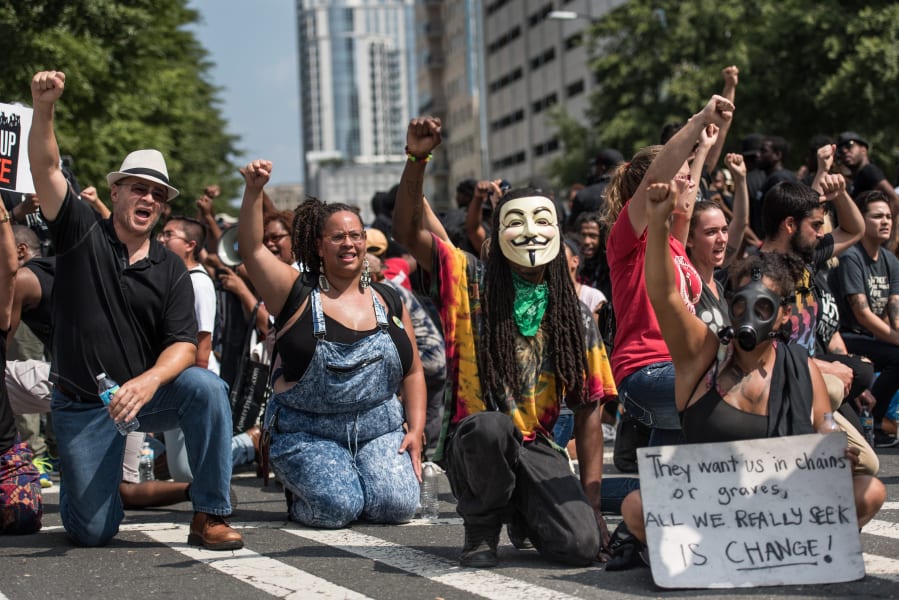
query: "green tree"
136, 77
805, 68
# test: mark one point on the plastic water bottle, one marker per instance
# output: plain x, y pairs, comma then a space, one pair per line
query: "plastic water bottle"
107, 388
145, 468
828, 425
430, 507
867, 420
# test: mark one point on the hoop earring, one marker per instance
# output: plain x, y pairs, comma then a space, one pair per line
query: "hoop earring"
365, 280
323, 283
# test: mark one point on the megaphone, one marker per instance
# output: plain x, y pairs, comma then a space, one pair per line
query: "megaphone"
227, 249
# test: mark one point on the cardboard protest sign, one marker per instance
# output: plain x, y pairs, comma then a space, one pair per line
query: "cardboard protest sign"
15, 173
751, 513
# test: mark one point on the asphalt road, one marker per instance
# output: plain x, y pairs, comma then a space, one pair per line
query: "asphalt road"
150, 558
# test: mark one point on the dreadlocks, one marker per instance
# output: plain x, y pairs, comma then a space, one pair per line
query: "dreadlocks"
308, 224
562, 323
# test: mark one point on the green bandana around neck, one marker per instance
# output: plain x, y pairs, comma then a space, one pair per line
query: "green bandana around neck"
530, 304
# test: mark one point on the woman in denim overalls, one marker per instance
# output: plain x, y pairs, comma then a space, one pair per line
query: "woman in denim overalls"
339, 443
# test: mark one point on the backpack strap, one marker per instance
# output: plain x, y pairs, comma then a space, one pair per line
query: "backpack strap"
391, 297
298, 294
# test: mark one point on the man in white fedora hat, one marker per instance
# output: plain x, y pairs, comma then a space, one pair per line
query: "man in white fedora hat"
124, 306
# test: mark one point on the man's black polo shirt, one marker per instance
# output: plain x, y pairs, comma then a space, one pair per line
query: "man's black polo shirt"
109, 316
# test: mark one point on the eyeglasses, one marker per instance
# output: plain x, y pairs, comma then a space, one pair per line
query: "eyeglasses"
141, 189
337, 238
169, 234
275, 238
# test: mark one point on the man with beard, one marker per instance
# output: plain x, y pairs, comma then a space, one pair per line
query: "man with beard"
793, 216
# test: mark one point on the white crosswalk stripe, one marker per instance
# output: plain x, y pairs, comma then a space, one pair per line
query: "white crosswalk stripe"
269, 575
285, 581
473, 581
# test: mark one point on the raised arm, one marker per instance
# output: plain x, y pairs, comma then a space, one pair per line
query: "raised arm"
43, 151
691, 343
852, 224
680, 228
271, 277
717, 111
740, 221
484, 191
206, 216
432, 222
825, 156
422, 136
731, 78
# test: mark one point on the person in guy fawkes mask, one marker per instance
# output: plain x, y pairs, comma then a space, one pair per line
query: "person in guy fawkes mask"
759, 388
518, 343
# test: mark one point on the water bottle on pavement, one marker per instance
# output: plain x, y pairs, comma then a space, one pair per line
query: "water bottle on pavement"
430, 507
867, 420
828, 425
145, 468
107, 388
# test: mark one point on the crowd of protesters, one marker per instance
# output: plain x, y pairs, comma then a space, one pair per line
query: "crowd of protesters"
498, 339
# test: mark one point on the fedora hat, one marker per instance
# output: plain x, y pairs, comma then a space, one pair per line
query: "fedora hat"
144, 164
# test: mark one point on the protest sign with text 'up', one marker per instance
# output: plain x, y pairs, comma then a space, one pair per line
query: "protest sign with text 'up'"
15, 174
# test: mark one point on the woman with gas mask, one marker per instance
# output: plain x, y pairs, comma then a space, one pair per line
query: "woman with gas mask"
759, 387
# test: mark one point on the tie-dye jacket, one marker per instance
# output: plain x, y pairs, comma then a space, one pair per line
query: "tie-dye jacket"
457, 284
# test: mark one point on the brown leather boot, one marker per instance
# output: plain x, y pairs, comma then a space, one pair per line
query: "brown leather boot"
213, 533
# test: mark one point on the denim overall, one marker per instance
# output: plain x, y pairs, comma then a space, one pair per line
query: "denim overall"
336, 432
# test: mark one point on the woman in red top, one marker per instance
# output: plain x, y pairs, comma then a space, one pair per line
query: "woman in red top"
640, 360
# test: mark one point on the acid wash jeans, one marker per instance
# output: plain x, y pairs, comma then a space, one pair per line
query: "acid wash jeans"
336, 433
91, 452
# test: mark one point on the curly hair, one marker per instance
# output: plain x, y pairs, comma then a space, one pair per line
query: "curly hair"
308, 225
562, 323
624, 183
284, 217
784, 269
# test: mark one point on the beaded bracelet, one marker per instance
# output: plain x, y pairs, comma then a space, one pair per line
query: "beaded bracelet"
412, 158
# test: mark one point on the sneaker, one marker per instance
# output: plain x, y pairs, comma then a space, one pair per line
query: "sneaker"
884, 440
44, 467
479, 551
608, 433
625, 551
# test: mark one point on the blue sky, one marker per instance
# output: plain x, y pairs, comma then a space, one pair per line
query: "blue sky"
253, 46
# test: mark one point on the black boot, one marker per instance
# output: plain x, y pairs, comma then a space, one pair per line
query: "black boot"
626, 551
479, 550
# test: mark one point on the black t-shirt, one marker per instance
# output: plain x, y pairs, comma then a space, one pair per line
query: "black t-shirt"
110, 316
7, 421
866, 179
40, 318
858, 273
755, 179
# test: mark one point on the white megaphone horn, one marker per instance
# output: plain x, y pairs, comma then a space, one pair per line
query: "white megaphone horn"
227, 249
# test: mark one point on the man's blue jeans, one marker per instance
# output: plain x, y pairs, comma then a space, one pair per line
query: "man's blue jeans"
91, 451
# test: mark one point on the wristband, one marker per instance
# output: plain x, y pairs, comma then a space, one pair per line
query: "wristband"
412, 158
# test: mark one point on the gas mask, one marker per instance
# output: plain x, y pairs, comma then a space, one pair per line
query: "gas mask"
753, 314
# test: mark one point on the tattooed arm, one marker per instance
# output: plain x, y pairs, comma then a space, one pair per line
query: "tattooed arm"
879, 328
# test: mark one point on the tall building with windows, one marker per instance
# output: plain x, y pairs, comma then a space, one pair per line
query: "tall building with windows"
534, 61
450, 84
356, 61
492, 70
